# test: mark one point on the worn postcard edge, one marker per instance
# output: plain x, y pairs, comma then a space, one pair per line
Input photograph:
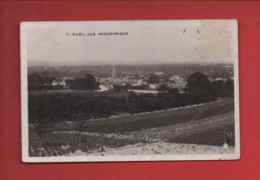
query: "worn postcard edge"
189, 157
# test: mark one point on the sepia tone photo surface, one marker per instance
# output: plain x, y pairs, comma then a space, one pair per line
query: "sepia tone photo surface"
129, 91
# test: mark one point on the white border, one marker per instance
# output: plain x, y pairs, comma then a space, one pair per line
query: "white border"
24, 26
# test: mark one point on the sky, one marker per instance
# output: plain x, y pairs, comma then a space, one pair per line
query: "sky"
146, 42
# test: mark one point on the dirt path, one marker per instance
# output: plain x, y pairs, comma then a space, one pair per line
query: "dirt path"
159, 148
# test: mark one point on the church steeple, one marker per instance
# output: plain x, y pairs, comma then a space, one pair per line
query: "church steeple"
114, 72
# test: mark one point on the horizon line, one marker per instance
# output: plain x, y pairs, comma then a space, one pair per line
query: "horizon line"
133, 64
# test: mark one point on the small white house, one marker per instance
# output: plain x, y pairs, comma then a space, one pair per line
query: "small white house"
105, 87
179, 82
154, 86
58, 82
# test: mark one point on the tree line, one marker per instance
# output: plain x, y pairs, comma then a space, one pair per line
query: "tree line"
37, 82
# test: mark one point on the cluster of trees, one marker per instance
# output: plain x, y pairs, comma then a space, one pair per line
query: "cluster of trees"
149, 102
201, 89
37, 82
154, 78
36, 79
56, 107
87, 83
222, 88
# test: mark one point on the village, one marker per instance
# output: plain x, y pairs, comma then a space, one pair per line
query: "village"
139, 83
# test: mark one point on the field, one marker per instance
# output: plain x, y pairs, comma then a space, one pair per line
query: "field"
148, 120
200, 125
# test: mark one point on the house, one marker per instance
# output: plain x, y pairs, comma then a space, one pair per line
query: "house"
105, 87
58, 82
159, 73
139, 82
179, 82
154, 86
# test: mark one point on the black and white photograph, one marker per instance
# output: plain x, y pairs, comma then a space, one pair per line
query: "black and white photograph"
146, 90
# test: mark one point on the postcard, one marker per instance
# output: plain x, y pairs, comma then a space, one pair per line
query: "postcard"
146, 90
